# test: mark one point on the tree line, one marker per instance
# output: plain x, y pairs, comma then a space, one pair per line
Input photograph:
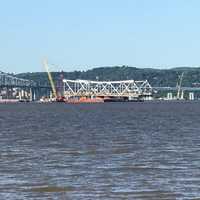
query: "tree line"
156, 77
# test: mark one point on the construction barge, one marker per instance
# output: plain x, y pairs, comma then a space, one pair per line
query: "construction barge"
88, 91
80, 100
99, 100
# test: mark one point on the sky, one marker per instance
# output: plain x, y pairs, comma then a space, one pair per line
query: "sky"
83, 34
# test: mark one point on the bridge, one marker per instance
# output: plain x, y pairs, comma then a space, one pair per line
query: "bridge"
7, 80
14, 87
175, 88
76, 88
126, 88
28, 88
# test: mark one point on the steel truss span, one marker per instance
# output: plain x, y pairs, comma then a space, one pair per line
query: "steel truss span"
126, 88
7, 80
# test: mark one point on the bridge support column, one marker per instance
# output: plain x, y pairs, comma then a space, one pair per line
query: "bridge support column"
51, 95
34, 95
191, 96
31, 95
169, 96
26, 95
22, 93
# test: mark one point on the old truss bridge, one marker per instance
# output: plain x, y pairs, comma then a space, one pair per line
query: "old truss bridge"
126, 88
7, 80
12, 87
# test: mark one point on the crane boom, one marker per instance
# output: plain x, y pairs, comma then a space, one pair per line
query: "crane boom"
45, 63
179, 86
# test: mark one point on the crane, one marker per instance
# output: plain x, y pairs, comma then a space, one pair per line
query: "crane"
45, 64
179, 83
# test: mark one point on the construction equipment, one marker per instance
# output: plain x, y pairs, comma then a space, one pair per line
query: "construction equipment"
45, 63
179, 84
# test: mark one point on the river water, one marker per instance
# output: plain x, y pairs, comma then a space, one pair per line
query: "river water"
146, 150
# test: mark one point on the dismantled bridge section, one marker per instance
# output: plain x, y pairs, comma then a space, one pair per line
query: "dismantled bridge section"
126, 88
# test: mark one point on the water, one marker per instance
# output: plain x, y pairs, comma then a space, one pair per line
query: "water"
108, 151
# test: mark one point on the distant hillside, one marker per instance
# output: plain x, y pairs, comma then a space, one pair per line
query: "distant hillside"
156, 77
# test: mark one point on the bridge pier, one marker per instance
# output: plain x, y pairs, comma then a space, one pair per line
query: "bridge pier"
32, 94
19, 93
169, 96
191, 96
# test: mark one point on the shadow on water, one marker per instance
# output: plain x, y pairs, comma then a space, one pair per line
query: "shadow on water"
51, 189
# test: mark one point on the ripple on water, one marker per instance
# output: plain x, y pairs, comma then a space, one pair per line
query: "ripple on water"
109, 151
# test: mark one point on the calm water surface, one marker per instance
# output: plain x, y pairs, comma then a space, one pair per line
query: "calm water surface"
108, 151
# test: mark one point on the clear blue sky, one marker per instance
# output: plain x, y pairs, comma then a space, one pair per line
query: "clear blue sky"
81, 34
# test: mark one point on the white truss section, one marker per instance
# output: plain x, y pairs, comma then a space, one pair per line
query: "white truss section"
126, 88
